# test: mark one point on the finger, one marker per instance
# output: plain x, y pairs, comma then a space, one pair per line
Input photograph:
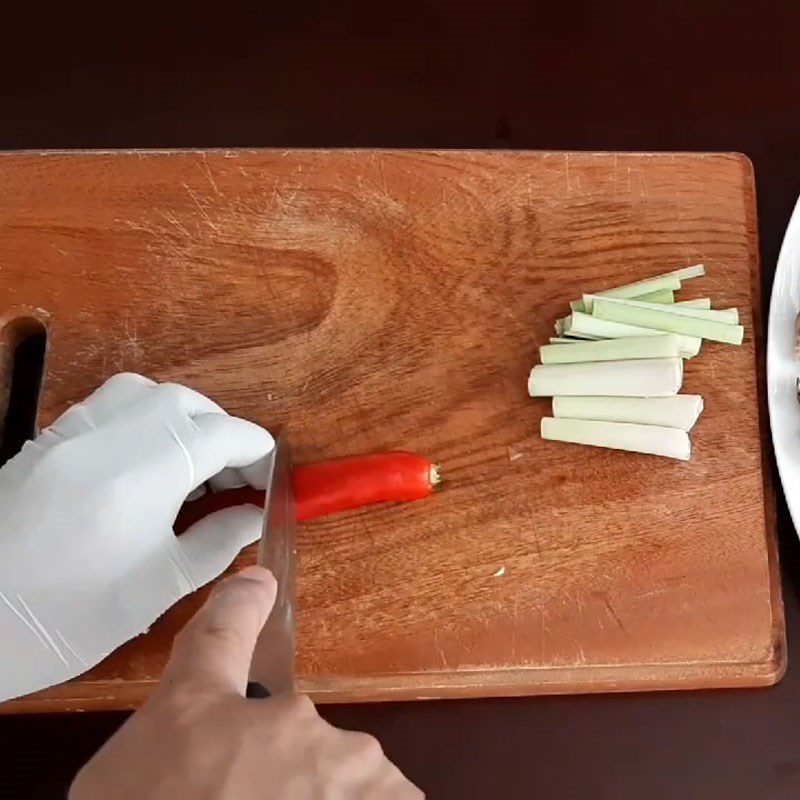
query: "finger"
218, 441
105, 403
211, 544
187, 400
255, 475
213, 652
228, 478
196, 494
118, 391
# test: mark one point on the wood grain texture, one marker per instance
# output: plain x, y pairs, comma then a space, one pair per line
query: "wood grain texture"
377, 300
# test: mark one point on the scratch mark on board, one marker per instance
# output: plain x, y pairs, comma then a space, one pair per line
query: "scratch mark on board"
201, 209
566, 172
515, 614
440, 650
612, 613
207, 170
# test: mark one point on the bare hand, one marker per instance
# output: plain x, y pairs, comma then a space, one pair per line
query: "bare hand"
198, 737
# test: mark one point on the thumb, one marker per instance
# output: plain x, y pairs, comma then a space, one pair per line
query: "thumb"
213, 652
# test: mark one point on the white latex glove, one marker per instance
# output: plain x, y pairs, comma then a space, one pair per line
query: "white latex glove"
88, 557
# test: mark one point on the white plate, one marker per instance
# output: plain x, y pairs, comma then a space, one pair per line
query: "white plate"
782, 369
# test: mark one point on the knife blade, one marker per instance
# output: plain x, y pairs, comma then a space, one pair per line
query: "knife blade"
273, 659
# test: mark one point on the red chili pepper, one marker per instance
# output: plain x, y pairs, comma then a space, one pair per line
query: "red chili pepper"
332, 486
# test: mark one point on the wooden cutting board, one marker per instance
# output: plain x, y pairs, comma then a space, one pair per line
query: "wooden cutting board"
377, 300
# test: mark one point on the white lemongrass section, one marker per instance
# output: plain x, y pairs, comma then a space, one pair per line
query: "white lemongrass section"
582, 325
729, 315
661, 319
562, 340
700, 302
651, 439
680, 411
656, 377
635, 347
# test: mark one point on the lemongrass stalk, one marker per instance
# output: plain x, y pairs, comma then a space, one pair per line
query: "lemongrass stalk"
635, 347
589, 326
700, 302
727, 315
653, 377
664, 296
651, 439
666, 320
686, 273
680, 411
657, 296
635, 289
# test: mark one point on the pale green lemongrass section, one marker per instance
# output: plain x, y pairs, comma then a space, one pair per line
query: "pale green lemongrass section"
669, 280
658, 296
562, 340
700, 302
655, 377
635, 347
586, 325
635, 289
680, 411
665, 296
727, 315
687, 273
650, 439
666, 320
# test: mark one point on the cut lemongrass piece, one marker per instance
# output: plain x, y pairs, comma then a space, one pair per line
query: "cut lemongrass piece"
570, 334
728, 315
680, 411
563, 340
586, 325
651, 377
700, 302
651, 439
733, 312
666, 320
646, 286
660, 296
635, 289
634, 347
559, 326
686, 273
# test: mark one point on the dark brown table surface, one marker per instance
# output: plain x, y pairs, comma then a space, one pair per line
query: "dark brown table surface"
618, 75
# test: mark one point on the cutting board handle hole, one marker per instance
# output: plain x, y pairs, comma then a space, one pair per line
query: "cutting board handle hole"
23, 346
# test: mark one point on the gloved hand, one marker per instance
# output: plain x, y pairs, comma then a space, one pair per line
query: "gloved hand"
88, 558
198, 737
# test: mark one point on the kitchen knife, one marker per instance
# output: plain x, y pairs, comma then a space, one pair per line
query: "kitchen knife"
272, 667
